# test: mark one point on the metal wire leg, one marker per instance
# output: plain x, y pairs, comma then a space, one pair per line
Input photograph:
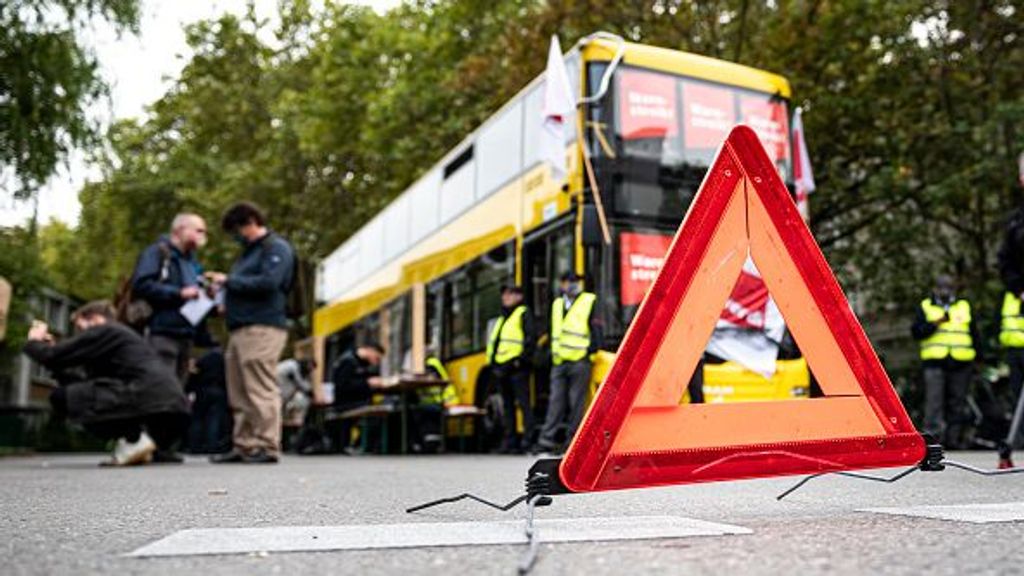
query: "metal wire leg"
466, 496
883, 479
982, 471
530, 558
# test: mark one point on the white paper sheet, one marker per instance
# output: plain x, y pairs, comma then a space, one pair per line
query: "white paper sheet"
195, 310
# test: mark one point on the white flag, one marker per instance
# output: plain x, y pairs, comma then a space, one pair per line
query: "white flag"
751, 325
803, 175
559, 109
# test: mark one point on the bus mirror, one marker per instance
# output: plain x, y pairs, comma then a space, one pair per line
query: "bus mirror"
591, 226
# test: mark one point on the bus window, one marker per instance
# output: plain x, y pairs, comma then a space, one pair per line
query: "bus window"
667, 130
474, 294
399, 336
545, 258
435, 315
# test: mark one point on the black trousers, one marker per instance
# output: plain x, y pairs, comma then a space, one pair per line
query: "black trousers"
945, 404
1015, 358
166, 428
514, 385
210, 427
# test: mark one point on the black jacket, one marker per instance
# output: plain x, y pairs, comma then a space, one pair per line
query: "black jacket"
350, 375
1011, 254
124, 376
258, 284
163, 294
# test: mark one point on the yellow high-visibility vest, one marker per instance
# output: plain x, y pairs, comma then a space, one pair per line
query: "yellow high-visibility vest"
446, 395
1011, 330
570, 330
508, 339
953, 337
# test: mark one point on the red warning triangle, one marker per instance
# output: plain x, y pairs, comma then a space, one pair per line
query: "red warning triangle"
636, 433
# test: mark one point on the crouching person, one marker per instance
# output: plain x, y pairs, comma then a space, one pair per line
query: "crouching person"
120, 388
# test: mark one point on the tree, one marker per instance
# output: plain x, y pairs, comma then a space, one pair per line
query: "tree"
914, 114
48, 79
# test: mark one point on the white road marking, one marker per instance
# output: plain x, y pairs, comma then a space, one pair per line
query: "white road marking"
415, 535
973, 513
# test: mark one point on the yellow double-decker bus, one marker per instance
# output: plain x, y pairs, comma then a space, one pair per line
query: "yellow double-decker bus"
425, 273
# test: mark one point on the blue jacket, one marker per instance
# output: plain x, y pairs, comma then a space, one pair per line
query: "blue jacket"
258, 283
163, 293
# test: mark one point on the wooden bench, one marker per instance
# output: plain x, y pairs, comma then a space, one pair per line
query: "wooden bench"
366, 414
463, 413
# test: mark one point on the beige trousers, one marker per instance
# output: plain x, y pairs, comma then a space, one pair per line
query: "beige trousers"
251, 363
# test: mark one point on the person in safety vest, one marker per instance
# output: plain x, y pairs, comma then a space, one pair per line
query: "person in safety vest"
948, 336
509, 350
575, 336
425, 433
445, 395
1011, 329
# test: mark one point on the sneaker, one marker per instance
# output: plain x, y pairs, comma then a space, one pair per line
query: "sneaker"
260, 457
132, 453
1005, 463
232, 457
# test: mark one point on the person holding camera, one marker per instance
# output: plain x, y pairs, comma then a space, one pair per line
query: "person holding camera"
113, 384
949, 339
509, 350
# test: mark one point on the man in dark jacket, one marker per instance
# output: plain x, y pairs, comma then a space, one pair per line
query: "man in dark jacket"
356, 377
210, 428
166, 276
356, 374
257, 288
123, 391
1011, 331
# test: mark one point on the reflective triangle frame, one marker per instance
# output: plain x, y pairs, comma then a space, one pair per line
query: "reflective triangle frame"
636, 434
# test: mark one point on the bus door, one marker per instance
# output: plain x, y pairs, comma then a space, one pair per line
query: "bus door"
547, 254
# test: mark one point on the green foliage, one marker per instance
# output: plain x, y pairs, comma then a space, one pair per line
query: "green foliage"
914, 115
47, 81
20, 265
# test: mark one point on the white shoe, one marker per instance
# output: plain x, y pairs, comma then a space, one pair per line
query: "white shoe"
132, 453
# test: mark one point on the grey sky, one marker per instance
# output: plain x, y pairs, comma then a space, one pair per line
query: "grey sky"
139, 70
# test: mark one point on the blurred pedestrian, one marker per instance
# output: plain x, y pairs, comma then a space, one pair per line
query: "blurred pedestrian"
945, 328
1011, 331
210, 428
255, 308
293, 379
166, 276
113, 384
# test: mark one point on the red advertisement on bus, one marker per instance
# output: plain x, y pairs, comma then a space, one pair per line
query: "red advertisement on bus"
769, 120
641, 256
709, 112
647, 105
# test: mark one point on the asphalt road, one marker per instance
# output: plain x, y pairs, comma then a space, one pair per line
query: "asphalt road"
64, 515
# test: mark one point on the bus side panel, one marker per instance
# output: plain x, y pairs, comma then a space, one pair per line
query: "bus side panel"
731, 382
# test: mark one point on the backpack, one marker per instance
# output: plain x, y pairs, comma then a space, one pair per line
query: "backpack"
136, 312
296, 306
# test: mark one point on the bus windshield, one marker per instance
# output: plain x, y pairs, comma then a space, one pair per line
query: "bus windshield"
666, 130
